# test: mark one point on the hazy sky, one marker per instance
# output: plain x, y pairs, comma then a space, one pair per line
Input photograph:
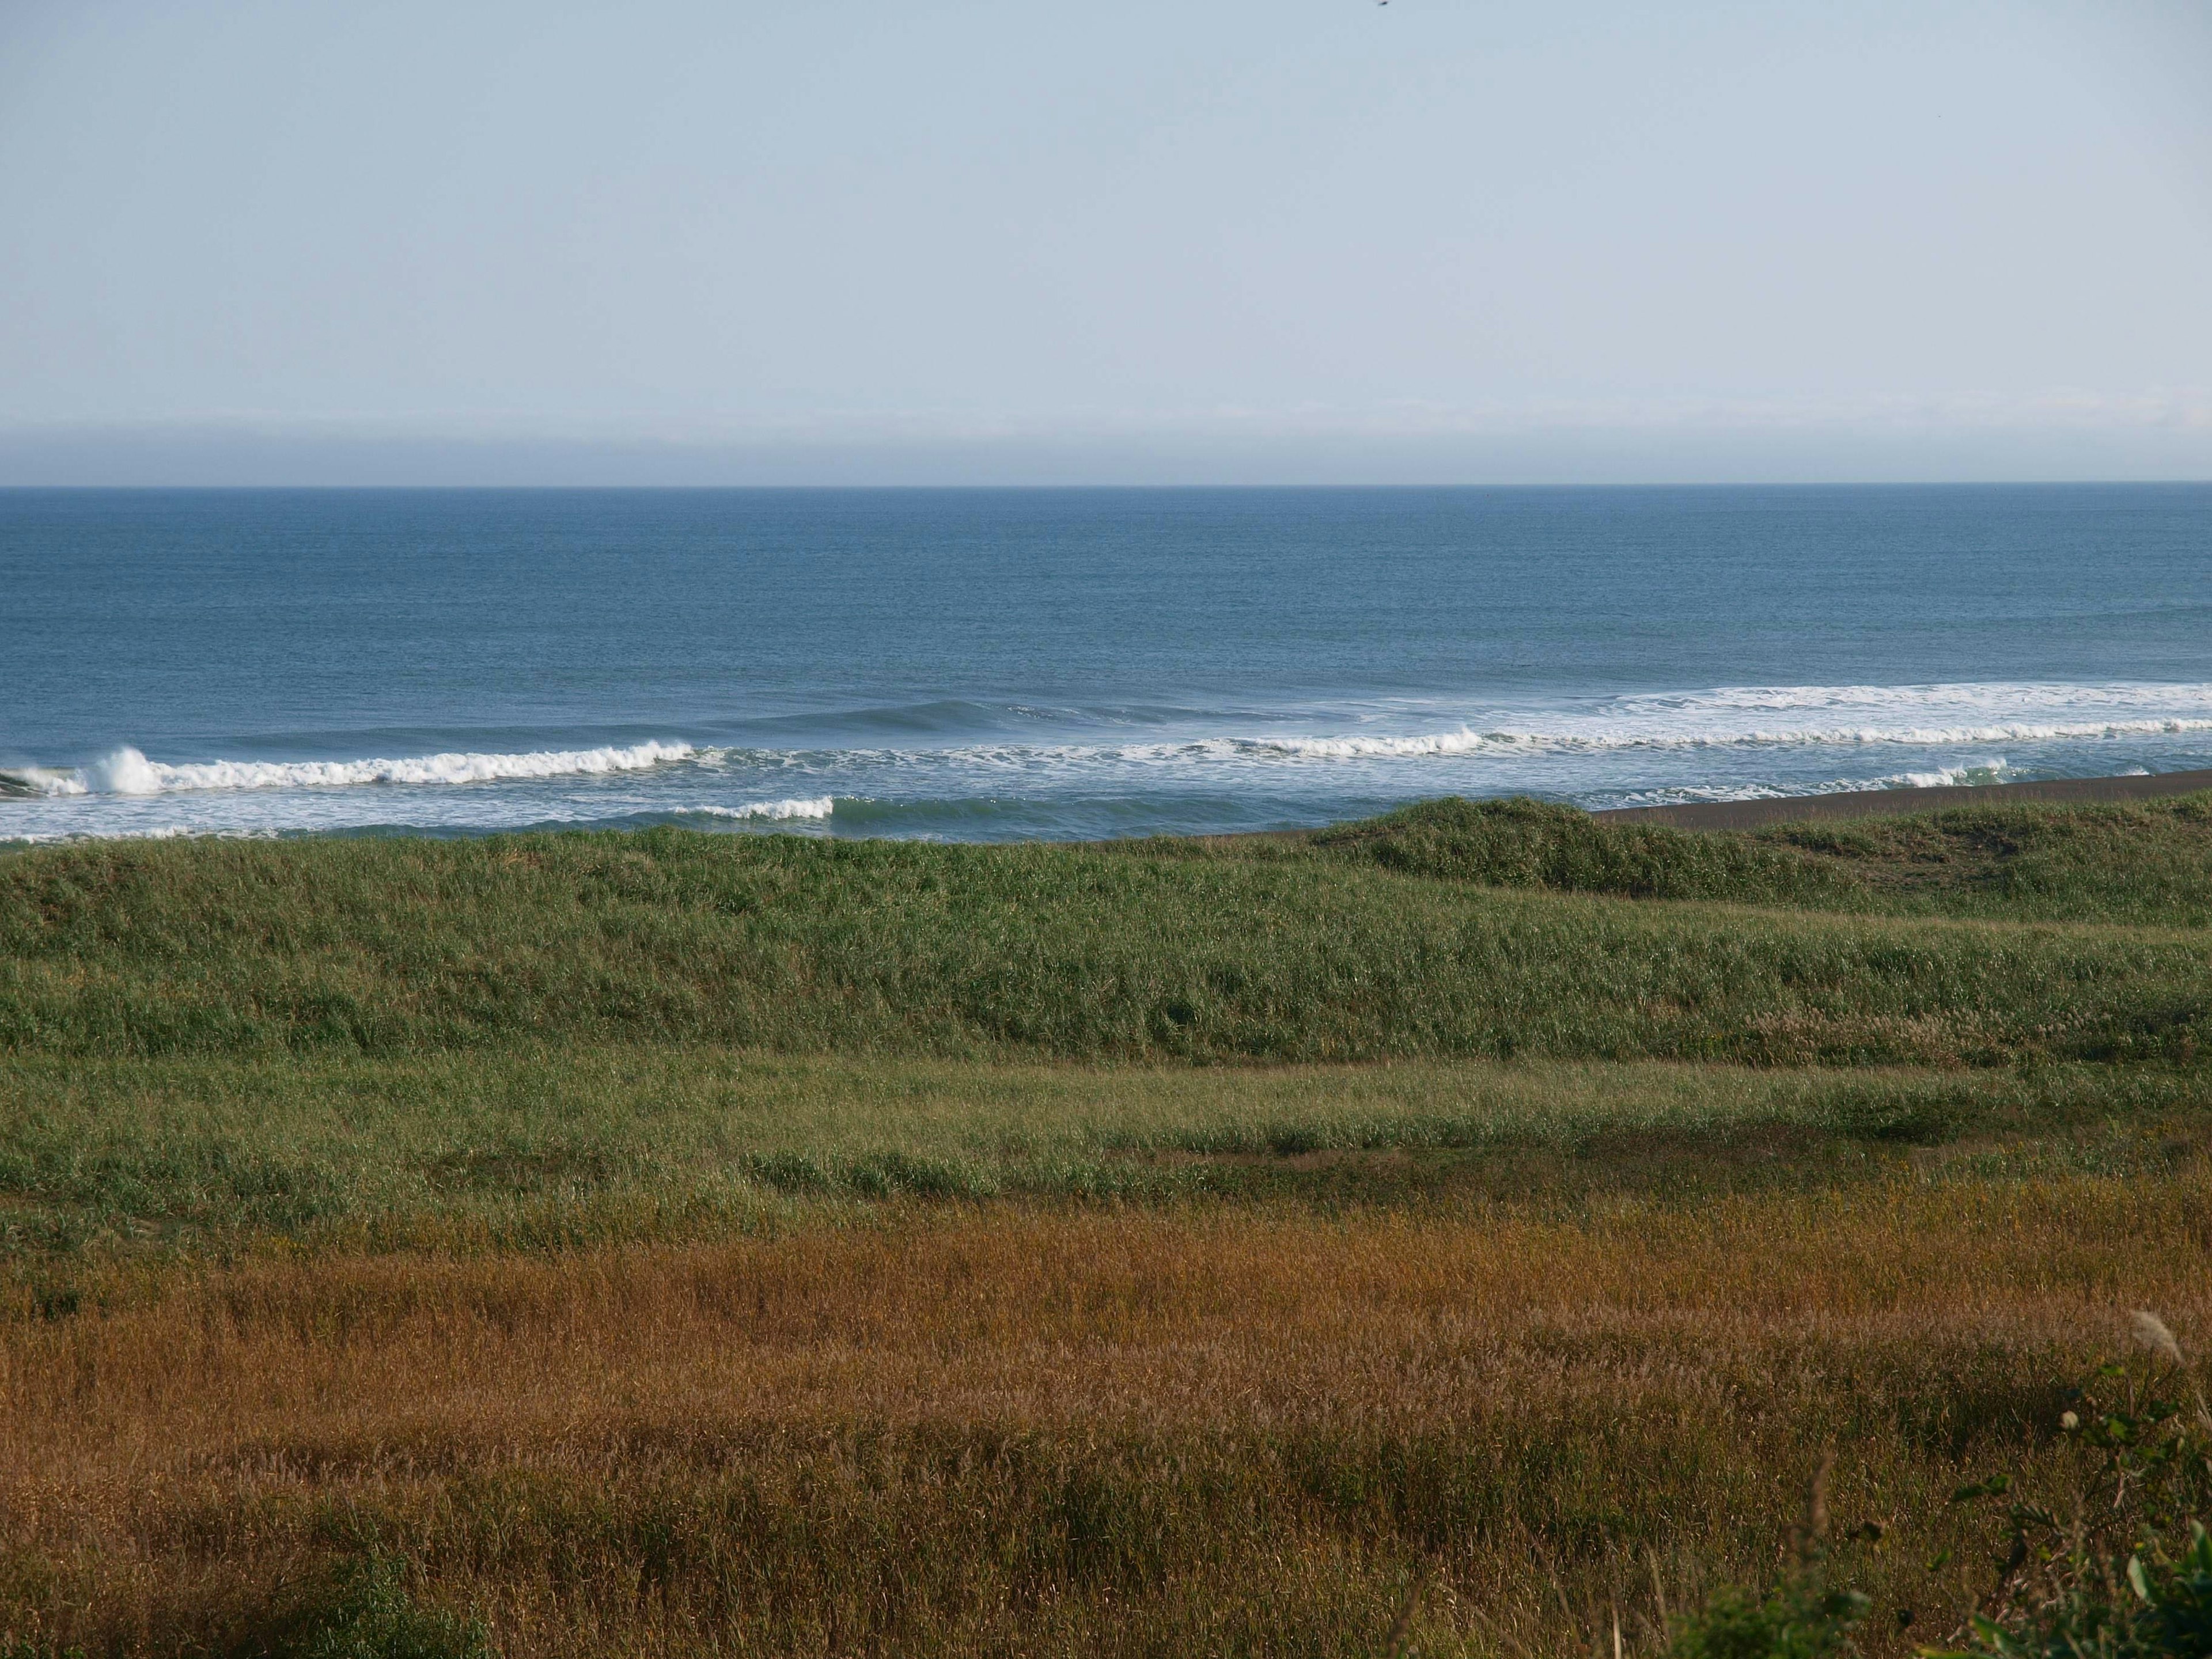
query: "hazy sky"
1437, 240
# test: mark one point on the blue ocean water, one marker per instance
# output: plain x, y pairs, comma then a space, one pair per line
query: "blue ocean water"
997, 664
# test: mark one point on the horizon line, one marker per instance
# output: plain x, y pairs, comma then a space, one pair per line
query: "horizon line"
1047, 486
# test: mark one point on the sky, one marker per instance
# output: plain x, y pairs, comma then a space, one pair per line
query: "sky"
247, 241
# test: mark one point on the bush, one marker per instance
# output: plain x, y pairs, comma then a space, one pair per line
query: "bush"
2164, 1611
2105, 1581
369, 1614
1804, 1618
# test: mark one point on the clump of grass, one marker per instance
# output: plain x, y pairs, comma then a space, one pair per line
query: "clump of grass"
2143, 863
365, 1610
1807, 1614
2147, 862
1527, 844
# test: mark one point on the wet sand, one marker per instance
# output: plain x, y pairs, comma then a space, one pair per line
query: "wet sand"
1890, 803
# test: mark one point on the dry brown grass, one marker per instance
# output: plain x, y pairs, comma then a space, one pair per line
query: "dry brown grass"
991, 1430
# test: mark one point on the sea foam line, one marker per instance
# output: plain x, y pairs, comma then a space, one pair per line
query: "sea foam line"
1737, 718
1594, 738
2140, 696
128, 772
1467, 741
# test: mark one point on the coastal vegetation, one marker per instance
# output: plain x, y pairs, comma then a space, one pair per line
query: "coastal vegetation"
1445, 933
1469, 1230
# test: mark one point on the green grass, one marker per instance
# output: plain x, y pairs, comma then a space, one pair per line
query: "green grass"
569, 1147
1317, 949
549, 1039
2148, 863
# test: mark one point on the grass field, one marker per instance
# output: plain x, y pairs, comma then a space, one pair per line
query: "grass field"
1408, 941
675, 1244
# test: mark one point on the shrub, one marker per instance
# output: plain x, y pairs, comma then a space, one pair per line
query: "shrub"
2107, 1580
369, 1614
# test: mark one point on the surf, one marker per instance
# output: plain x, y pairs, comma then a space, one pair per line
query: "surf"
127, 771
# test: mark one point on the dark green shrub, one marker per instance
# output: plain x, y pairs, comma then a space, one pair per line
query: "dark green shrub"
368, 1613
1802, 1617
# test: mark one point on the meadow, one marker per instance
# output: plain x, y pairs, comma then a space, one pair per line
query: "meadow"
684, 1243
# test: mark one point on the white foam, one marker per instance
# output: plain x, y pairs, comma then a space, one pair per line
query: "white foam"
137, 832
1462, 742
821, 806
1564, 740
1727, 718
2009, 695
128, 772
1972, 773
1738, 717
1949, 777
40, 780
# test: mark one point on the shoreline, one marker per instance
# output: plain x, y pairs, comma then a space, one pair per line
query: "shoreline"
1898, 803
1836, 805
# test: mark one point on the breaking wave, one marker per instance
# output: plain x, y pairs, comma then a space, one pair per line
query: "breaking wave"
1947, 777
1732, 719
1083, 772
820, 806
39, 780
128, 772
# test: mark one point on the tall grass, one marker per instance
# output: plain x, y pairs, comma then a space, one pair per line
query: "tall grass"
2146, 862
580, 1146
399, 946
1111, 1433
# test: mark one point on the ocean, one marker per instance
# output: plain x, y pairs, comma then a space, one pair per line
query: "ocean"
994, 664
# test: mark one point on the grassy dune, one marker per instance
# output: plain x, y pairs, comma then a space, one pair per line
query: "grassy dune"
2149, 863
1320, 949
677, 1244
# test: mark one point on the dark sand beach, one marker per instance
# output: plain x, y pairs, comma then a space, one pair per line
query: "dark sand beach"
1891, 803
